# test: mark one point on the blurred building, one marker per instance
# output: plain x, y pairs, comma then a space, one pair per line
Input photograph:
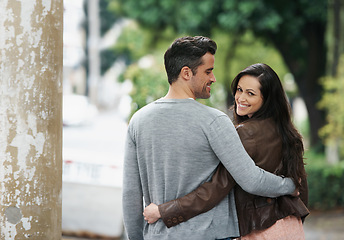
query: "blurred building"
94, 127
103, 91
74, 76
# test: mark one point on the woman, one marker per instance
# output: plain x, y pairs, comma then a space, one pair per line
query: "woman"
263, 119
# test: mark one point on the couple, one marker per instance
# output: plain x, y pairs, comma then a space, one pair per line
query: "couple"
179, 148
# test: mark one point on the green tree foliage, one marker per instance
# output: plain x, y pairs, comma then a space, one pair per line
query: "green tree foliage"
107, 17
145, 71
107, 20
149, 84
331, 101
325, 182
130, 46
296, 28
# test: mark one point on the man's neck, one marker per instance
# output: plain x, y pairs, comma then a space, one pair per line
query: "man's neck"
178, 92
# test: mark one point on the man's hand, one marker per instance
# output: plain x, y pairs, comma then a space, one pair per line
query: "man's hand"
296, 192
151, 213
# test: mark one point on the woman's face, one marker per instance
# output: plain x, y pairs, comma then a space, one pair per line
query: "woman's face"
248, 97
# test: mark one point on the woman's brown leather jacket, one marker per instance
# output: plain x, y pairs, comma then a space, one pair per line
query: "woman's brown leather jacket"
263, 143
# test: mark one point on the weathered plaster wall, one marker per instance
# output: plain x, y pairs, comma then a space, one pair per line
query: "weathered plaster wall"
30, 119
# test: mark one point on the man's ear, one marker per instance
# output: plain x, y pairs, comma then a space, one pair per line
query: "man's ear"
186, 73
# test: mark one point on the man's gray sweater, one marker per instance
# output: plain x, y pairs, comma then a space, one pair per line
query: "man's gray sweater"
174, 145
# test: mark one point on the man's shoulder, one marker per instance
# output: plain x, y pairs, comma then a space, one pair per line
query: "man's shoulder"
142, 111
207, 110
196, 108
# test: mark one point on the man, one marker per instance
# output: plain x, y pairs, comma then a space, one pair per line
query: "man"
175, 143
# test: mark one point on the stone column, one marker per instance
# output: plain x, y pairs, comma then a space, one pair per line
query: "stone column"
31, 49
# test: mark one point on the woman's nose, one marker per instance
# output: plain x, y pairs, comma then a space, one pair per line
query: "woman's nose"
242, 97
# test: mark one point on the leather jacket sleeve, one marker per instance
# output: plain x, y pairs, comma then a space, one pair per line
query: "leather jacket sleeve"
205, 197
304, 191
201, 200
304, 194
209, 194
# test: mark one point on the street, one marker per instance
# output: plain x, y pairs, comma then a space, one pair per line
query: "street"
92, 177
318, 226
325, 225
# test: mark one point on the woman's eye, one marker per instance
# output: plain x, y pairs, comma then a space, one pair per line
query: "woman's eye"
251, 94
239, 89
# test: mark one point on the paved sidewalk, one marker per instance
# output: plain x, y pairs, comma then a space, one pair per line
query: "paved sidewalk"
325, 225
